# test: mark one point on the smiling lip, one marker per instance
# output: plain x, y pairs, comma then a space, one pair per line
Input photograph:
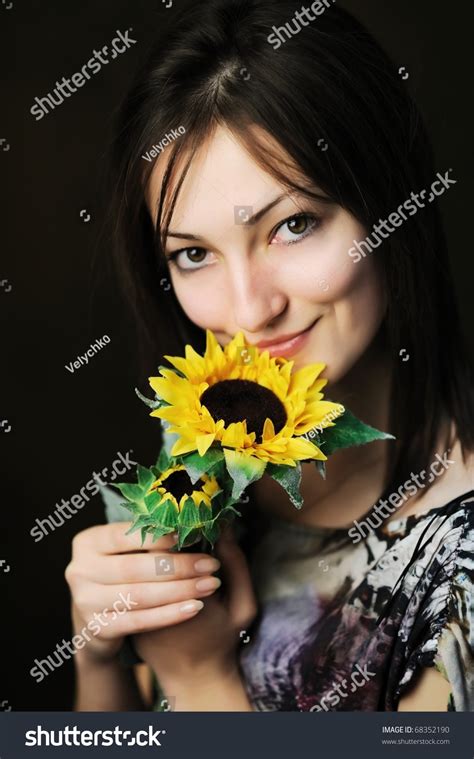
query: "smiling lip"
288, 345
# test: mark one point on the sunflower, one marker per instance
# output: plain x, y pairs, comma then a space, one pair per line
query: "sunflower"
175, 485
165, 500
237, 413
244, 401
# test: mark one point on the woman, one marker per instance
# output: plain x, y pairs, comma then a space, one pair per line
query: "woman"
291, 195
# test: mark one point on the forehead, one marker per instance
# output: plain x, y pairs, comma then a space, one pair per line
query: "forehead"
223, 176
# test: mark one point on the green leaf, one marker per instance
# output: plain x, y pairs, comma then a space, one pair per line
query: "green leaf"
289, 478
243, 469
197, 465
349, 431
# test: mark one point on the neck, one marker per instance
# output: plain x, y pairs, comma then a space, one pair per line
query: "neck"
355, 477
365, 388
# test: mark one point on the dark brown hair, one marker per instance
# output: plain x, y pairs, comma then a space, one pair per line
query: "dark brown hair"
332, 82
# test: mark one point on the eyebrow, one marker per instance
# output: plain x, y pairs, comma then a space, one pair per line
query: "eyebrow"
252, 219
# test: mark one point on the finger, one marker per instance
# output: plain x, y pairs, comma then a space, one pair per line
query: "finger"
109, 539
146, 567
94, 598
241, 599
143, 620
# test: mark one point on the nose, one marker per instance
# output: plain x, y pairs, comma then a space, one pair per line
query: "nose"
256, 298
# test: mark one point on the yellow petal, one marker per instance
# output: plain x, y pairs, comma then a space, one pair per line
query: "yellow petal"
171, 392
185, 366
204, 442
200, 497
181, 447
305, 377
301, 449
268, 429
234, 435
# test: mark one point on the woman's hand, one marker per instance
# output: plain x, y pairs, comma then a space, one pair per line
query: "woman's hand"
120, 588
204, 649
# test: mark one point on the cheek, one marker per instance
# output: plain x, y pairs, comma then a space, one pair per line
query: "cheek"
202, 302
354, 307
351, 290
347, 295
322, 270
340, 279
359, 303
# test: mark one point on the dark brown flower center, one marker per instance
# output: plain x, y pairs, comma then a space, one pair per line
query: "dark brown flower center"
237, 400
179, 484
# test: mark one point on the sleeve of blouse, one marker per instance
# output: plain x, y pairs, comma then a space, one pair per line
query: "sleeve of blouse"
454, 655
444, 636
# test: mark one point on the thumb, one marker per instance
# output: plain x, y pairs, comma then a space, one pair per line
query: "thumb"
241, 599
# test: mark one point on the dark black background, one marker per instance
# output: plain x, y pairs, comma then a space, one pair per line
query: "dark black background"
64, 295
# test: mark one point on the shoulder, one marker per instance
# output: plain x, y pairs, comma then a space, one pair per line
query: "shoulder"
438, 624
450, 476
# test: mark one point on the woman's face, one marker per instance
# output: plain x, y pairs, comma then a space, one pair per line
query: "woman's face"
288, 272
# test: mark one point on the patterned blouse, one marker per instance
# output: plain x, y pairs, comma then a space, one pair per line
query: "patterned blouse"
348, 625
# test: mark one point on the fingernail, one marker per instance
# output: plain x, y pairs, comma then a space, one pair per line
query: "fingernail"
208, 583
207, 565
191, 606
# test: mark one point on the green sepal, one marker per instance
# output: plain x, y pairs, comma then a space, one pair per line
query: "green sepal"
187, 536
289, 477
243, 469
168, 515
197, 465
146, 477
144, 520
163, 462
158, 532
349, 431
160, 520
136, 526
153, 404
321, 467
314, 438
208, 525
211, 532
152, 501
133, 493
189, 514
